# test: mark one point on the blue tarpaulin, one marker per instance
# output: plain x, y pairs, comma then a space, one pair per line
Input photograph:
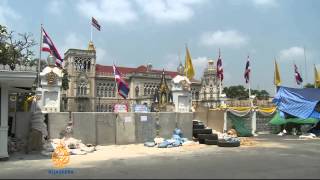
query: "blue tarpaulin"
298, 102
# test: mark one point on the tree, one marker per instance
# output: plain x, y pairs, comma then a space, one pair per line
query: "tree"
309, 85
240, 92
65, 80
15, 50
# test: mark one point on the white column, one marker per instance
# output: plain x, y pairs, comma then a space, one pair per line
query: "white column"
4, 122
254, 122
225, 121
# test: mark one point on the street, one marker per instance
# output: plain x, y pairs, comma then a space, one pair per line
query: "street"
273, 157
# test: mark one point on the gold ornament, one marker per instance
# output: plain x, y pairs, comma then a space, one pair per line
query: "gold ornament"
51, 78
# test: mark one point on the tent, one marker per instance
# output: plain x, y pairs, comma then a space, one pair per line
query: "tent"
278, 120
301, 103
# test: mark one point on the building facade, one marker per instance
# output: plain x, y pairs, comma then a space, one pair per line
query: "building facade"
92, 86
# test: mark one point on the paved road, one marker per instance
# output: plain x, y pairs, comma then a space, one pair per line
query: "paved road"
289, 159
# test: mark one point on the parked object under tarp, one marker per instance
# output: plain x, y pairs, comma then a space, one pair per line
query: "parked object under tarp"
301, 103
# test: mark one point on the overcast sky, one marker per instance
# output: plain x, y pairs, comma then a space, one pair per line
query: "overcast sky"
137, 32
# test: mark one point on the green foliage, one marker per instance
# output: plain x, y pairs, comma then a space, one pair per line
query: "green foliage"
240, 92
15, 50
65, 80
309, 85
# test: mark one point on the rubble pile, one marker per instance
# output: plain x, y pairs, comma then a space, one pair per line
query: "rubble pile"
72, 145
16, 145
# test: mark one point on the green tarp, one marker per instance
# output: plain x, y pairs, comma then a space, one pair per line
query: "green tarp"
277, 120
239, 125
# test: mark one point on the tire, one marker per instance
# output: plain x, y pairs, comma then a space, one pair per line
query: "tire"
210, 142
208, 136
201, 131
198, 126
228, 144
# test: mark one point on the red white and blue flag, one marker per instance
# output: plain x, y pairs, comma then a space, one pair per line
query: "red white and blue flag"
297, 75
123, 88
95, 23
219, 68
247, 71
48, 46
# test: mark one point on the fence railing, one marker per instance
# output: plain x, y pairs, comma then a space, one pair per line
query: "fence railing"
18, 68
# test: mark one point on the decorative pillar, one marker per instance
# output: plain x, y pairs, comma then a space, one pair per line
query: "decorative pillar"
225, 121
4, 122
254, 121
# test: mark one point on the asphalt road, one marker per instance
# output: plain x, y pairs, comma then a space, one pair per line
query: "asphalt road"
291, 158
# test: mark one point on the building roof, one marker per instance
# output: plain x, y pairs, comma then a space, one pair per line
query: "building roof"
101, 69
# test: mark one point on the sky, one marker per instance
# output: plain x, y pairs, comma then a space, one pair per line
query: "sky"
138, 32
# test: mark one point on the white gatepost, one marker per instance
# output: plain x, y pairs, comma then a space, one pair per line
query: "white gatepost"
4, 122
225, 121
254, 122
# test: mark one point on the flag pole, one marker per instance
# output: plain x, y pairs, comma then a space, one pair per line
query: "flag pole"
115, 81
305, 64
38, 83
91, 33
251, 104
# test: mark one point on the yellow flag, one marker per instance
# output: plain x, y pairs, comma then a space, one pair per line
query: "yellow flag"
277, 80
316, 77
188, 67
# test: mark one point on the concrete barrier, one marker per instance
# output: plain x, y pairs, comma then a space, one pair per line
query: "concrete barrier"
57, 122
105, 128
201, 114
145, 127
84, 127
184, 122
125, 128
215, 120
21, 126
167, 122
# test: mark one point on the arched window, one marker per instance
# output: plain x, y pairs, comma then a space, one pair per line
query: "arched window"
82, 88
110, 108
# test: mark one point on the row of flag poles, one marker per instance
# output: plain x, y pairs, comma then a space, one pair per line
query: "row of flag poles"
298, 78
47, 45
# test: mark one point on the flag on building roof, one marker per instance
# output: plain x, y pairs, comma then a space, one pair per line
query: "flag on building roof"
247, 71
297, 75
95, 23
48, 46
277, 80
219, 67
123, 88
188, 71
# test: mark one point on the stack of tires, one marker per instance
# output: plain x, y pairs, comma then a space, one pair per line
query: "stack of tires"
204, 134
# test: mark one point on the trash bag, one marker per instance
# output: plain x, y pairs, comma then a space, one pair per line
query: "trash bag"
178, 132
164, 144
149, 144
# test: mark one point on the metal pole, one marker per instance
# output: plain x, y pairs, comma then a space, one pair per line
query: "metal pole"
91, 33
305, 64
38, 84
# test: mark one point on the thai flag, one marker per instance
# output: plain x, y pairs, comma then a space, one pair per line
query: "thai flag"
247, 71
219, 68
48, 46
123, 88
95, 23
297, 75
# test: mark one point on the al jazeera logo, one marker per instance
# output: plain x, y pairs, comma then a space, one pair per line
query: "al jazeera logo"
60, 158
